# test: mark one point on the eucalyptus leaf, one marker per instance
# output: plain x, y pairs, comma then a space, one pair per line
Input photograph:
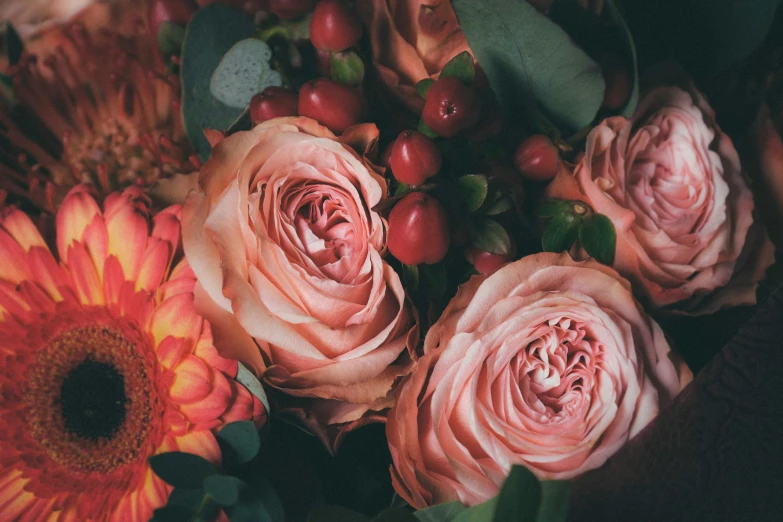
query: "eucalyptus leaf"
172, 514
491, 237
473, 188
555, 495
212, 31
519, 497
13, 45
423, 86
529, 58
239, 442
181, 470
242, 72
480, 513
346, 68
246, 378
441, 512
335, 514
552, 207
598, 237
462, 67
224, 489
170, 39
560, 233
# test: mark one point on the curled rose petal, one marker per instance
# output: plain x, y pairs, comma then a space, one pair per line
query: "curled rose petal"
549, 363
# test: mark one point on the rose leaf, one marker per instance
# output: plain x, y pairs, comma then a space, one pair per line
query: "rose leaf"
560, 233
423, 86
491, 237
554, 500
346, 68
462, 67
552, 207
474, 188
519, 496
599, 238
441, 512
426, 130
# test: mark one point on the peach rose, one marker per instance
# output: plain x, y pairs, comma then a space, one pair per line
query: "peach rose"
671, 182
411, 40
288, 253
549, 363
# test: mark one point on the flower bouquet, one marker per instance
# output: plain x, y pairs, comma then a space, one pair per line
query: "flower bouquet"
390, 260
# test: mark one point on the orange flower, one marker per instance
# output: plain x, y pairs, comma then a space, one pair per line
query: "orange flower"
99, 108
105, 362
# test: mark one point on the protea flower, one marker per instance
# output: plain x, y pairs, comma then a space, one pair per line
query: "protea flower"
100, 108
104, 362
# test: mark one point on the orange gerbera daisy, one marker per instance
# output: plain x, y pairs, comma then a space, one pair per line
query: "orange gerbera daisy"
100, 108
104, 362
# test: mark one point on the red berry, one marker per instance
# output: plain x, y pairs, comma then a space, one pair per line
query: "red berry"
450, 107
537, 158
334, 26
414, 158
274, 102
418, 230
331, 104
174, 11
486, 262
287, 9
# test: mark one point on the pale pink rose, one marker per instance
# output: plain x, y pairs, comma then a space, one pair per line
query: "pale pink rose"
288, 252
411, 40
671, 182
549, 363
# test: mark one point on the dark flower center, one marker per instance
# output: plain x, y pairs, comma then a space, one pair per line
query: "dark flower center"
93, 400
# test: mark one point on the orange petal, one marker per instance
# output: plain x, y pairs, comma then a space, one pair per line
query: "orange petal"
95, 238
19, 226
113, 280
201, 443
83, 276
154, 265
13, 260
166, 225
192, 380
46, 272
170, 352
77, 211
208, 410
176, 316
128, 232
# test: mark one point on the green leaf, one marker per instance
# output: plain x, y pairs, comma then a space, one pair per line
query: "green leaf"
172, 514
441, 513
473, 188
239, 442
481, 513
462, 67
246, 378
633, 100
181, 470
425, 129
223, 489
170, 39
528, 59
598, 237
401, 189
423, 86
13, 45
396, 515
410, 277
560, 233
705, 36
212, 31
437, 279
335, 514
554, 501
186, 498
491, 237
346, 68
519, 497
242, 72
552, 207
499, 206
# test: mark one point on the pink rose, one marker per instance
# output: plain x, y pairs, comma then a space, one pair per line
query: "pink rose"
671, 182
283, 236
411, 40
549, 363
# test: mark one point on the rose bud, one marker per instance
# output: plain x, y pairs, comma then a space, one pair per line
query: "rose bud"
537, 158
414, 158
331, 104
174, 11
273, 102
418, 230
334, 26
486, 262
287, 9
450, 107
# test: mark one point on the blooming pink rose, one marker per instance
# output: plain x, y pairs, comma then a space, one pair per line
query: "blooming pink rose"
549, 363
283, 236
670, 181
411, 40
